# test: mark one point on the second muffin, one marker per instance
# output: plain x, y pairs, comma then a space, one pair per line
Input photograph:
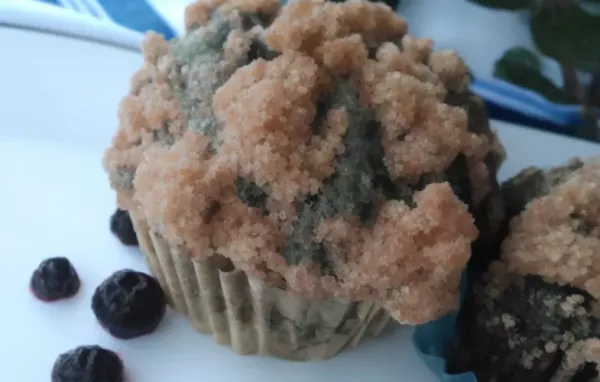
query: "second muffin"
534, 315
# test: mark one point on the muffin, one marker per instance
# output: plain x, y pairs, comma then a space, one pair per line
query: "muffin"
298, 176
534, 315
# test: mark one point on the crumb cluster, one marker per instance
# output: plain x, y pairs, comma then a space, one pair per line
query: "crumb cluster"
314, 146
149, 113
558, 235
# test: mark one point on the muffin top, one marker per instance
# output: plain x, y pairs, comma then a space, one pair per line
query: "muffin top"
557, 237
316, 146
542, 295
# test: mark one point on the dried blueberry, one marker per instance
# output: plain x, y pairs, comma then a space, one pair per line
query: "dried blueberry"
89, 364
122, 228
54, 279
129, 304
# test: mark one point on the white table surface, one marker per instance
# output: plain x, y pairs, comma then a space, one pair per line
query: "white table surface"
58, 103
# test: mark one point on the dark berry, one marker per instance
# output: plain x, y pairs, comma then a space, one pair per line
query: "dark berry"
129, 304
122, 228
54, 279
88, 364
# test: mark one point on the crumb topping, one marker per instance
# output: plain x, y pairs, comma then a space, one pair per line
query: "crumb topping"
314, 146
532, 182
422, 134
198, 13
418, 48
410, 254
306, 25
451, 69
558, 235
580, 353
150, 114
272, 144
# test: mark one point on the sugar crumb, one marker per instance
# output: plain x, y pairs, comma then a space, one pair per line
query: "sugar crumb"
544, 242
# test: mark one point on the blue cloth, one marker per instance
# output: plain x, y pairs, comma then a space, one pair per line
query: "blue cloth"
526, 102
137, 15
433, 340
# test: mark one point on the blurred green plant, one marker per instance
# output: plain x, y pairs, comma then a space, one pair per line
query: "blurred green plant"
567, 31
523, 68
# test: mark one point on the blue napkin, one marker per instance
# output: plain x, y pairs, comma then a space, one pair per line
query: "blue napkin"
526, 102
433, 339
137, 15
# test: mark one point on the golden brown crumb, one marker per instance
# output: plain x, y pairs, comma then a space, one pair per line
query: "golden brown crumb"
401, 102
395, 258
153, 47
421, 133
418, 48
305, 25
264, 7
451, 69
198, 180
148, 110
322, 150
267, 107
391, 59
198, 13
558, 236
344, 55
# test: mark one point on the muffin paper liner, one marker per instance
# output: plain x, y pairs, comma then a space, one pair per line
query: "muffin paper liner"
432, 341
250, 316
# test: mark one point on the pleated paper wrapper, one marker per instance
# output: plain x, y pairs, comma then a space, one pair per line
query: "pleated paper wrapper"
250, 316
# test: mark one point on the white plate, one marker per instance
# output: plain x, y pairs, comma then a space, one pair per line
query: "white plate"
58, 103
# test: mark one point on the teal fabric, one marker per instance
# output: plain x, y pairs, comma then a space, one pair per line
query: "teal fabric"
433, 339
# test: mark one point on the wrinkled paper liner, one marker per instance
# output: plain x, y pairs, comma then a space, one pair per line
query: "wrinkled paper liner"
250, 316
